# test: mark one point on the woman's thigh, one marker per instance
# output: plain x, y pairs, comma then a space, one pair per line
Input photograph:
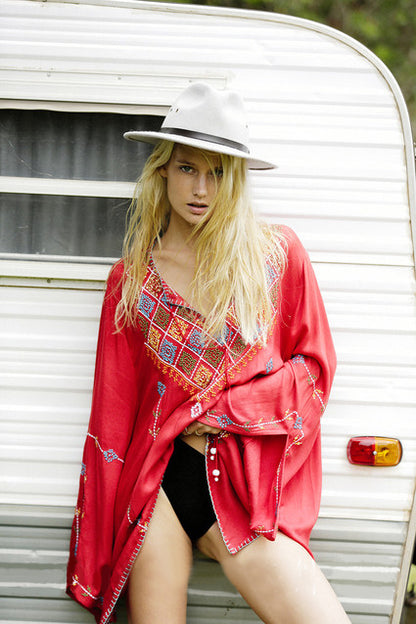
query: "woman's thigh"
158, 582
279, 580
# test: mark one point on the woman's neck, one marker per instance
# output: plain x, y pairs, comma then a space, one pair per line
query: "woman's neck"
179, 238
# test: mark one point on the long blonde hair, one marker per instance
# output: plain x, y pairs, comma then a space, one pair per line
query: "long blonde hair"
231, 247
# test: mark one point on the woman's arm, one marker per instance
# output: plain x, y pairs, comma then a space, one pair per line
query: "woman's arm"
299, 363
113, 413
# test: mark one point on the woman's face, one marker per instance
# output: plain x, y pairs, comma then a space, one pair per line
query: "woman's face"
191, 184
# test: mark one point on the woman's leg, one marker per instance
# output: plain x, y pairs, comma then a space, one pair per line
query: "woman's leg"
158, 582
279, 580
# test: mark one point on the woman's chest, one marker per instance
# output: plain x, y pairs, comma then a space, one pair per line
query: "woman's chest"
175, 341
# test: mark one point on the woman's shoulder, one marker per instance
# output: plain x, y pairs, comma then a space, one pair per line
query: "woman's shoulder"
291, 258
114, 283
286, 240
122, 272
115, 278
116, 272
284, 233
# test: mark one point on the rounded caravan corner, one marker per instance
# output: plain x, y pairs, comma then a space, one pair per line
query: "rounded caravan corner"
308, 24
369, 296
329, 31
347, 40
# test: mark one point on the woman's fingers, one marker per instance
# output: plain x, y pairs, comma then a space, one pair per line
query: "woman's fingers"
199, 429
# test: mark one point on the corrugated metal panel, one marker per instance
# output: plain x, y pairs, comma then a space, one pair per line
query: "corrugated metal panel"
49, 339
360, 571
46, 385
316, 106
330, 115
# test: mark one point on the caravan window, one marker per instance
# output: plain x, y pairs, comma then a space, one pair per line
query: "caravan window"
66, 181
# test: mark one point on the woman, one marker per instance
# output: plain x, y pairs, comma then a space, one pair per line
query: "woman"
214, 364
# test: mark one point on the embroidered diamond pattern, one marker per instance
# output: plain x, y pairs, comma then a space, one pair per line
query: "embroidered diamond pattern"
238, 346
161, 317
186, 314
202, 376
168, 351
271, 274
213, 356
154, 284
178, 329
175, 339
154, 338
195, 342
146, 305
187, 362
143, 324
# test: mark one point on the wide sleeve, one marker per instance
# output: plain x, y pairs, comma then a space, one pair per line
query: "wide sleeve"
291, 389
277, 404
113, 412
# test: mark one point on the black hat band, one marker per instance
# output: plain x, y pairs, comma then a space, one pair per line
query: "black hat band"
201, 136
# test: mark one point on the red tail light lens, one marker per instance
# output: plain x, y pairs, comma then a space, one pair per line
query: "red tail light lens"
374, 451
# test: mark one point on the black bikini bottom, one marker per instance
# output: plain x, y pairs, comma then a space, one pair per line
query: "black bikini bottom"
185, 484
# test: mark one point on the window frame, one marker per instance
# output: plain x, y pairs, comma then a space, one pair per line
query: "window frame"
65, 267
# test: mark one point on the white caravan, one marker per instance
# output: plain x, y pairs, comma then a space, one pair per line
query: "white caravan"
73, 76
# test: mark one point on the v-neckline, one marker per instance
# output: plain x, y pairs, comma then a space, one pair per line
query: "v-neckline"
171, 294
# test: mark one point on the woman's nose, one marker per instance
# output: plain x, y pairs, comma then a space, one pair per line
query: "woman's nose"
200, 185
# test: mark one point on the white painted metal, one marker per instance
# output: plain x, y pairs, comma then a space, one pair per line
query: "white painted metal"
332, 116
355, 568
80, 188
340, 150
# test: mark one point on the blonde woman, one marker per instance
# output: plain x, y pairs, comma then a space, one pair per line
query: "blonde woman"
214, 365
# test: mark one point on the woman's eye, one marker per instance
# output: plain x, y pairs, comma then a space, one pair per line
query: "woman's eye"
217, 173
186, 168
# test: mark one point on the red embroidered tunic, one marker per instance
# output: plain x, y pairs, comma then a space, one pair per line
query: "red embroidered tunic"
152, 380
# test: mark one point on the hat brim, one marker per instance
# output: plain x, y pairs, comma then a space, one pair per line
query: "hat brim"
218, 148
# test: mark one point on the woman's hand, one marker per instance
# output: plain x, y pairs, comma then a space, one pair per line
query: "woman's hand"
198, 429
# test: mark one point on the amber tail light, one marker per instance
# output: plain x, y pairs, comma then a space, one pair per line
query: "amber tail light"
374, 451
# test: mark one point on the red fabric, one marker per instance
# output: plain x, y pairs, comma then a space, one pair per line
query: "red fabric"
153, 380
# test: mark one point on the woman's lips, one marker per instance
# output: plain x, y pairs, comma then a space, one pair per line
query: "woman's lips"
198, 208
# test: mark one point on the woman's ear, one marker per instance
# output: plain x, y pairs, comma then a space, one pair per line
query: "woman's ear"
163, 172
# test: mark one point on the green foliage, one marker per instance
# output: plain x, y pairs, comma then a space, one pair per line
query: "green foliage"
387, 27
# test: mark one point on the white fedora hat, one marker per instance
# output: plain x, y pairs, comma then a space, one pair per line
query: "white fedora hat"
209, 119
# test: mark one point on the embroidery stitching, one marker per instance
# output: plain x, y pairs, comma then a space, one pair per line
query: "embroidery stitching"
86, 590
157, 412
146, 305
297, 440
225, 420
110, 455
316, 393
187, 363
141, 531
196, 410
174, 337
77, 530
